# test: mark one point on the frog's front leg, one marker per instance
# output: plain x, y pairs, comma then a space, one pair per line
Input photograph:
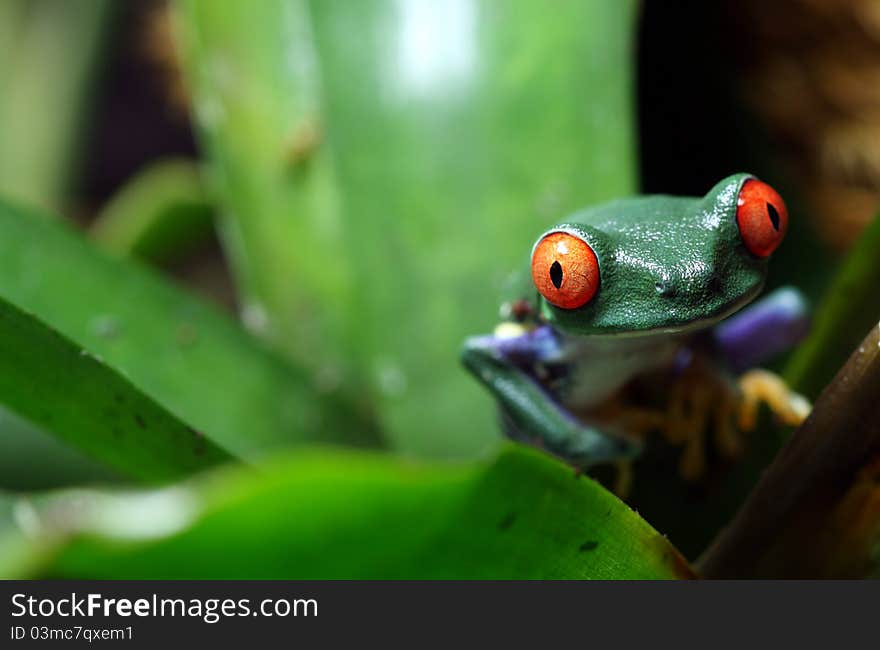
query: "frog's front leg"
502, 364
704, 396
761, 331
758, 333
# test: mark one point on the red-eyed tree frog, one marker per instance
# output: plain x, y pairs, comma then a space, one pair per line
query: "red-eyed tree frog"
630, 326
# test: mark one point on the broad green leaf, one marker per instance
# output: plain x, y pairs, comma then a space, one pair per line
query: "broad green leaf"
159, 215
850, 307
346, 515
177, 350
57, 384
385, 165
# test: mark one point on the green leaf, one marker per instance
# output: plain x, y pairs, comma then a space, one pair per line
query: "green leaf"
159, 215
850, 307
178, 351
346, 515
55, 383
16, 555
34, 459
385, 166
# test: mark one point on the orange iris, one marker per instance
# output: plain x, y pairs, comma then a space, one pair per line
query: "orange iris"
761, 216
565, 270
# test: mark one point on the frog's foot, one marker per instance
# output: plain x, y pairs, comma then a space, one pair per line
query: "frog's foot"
728, 439
509, 330
698, 402
688, 413
530, 412
637, 421
761, 386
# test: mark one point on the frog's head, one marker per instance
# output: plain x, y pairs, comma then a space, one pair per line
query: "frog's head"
659, 263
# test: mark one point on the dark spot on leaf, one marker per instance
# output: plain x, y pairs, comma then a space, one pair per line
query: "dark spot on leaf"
589, 545
186, 335
507, 522
556, 274
140, 421
774, 216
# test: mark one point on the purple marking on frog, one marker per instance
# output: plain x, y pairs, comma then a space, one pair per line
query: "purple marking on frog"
539, 344
763, 330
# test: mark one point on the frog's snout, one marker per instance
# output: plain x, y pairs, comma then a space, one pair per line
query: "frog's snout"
690, 282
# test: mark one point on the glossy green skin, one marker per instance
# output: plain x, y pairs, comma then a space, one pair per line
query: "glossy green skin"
665, 264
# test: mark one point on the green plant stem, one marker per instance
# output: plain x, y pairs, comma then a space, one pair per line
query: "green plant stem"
48, 64
159, 215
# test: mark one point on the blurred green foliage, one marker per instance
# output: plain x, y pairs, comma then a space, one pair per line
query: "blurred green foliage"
174, 348
162, 214
49, 57
384, 166
47, 378
36, 459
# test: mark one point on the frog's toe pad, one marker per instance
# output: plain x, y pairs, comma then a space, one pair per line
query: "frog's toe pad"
509, 330
762, 386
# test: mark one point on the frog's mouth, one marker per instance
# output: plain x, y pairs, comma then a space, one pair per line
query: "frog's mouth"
744, 337
634, 324
688, 327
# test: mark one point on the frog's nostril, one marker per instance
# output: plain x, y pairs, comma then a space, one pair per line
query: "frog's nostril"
665, 288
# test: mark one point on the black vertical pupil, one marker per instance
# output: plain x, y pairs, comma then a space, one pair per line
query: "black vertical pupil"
774, 216
556, 274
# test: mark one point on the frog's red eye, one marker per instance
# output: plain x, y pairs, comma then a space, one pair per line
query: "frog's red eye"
761, 216
565, 270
